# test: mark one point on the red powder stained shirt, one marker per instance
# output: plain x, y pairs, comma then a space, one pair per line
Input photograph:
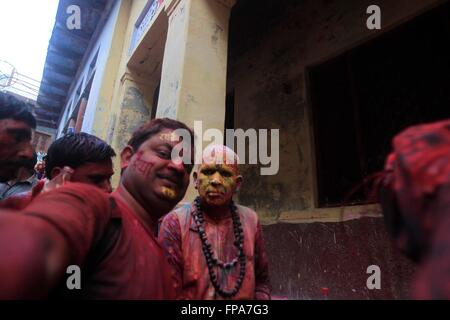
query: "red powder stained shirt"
182, 244
126, 263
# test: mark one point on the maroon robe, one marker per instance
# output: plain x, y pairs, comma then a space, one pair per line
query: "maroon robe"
181, 241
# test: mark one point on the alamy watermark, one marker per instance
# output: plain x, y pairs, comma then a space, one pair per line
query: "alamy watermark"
74, 280
374, 280
374, 20
73, 21
237, 140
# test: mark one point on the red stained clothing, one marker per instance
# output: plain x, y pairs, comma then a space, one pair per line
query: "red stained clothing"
118, 255
182, 244
416, 203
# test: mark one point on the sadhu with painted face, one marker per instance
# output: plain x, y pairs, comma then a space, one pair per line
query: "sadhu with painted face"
214, 246
110, 237
414, 193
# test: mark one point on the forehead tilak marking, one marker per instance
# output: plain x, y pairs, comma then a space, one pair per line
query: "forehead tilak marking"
172, 136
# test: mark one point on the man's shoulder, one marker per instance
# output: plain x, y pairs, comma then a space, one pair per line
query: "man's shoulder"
245, 209
247, 212
179, 216
182, 209
76, 194
82, 190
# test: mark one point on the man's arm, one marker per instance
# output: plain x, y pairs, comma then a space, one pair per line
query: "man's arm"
38, 243
32, 257
263, 288
170, 239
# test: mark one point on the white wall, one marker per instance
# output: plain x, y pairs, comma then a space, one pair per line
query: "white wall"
103, 46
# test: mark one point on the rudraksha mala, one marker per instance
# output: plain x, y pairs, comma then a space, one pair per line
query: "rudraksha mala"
211, 260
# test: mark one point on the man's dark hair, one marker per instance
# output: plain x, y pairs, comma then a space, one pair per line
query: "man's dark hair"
13, 108
155, 126
76, 149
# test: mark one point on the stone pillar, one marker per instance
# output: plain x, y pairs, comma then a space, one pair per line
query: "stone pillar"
135, 101
194, 71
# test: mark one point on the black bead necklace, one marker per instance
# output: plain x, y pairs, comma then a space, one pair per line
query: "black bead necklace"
211, 260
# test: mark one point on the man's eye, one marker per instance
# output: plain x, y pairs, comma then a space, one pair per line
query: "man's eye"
208, 172
19, 137
164, 154
226, 174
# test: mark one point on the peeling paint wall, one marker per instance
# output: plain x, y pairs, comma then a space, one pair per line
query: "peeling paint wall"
135, 112
271, 44
132, 95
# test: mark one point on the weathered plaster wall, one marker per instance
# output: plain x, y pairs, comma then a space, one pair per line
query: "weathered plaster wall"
133, 89
102, 46
271, 44
306, 257
99, 98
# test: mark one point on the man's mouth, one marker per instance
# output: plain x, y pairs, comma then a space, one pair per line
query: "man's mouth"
170, 178
214, 193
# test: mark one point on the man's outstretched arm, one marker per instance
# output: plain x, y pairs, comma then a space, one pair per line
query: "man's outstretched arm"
33, 256
38, 243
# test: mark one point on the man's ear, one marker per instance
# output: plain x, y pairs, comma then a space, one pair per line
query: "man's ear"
125, 156
55, 172
239, 180
194, 175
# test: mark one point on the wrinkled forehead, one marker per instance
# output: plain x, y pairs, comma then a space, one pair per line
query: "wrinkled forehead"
220, 155
218, 166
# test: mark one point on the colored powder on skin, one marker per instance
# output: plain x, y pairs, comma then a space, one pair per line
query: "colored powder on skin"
142, 166
169, 137
169, 193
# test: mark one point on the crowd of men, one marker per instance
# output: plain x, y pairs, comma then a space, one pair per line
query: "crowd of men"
74, 218
134, 243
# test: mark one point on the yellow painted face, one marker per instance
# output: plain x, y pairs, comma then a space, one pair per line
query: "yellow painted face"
216, 183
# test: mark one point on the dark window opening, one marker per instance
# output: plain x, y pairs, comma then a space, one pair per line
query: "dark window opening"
155, 101
229, 112
364, 97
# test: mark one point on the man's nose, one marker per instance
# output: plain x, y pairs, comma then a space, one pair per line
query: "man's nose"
177, 166
216, 179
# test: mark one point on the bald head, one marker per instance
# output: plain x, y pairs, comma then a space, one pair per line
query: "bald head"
220, 154
217, 177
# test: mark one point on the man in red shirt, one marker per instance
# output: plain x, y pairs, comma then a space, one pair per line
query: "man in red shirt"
415, 196
111, 238
75, 157
216, 248
16, 125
